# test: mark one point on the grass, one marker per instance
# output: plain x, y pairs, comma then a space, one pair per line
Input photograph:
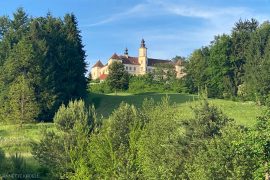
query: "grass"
106, 103
244, 113
17, 139
14, 139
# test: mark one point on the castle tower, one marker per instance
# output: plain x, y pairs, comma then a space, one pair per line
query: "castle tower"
143, 57
126, 52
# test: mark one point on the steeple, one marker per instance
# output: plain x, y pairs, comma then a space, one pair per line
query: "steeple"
126, 52
143, 57
142, 43
142, 49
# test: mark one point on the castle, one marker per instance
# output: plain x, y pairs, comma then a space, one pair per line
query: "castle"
134, 65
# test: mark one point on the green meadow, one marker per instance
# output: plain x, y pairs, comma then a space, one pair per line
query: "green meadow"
17, 139
244, 113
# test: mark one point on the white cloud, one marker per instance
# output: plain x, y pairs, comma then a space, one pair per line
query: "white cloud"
169, 41
197, 11
118, 16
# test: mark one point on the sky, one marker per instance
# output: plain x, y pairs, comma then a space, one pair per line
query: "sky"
169, 27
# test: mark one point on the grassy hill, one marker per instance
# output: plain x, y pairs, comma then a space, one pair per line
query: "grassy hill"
14, 139
244, 113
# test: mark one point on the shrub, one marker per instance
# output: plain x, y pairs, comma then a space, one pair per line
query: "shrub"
63, 151
101, 87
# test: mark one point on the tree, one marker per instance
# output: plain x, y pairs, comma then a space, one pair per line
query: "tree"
19, 79
118, 78
241, 35
196, 70
219, 71
256, 76
164, 72
49, 53
22, 104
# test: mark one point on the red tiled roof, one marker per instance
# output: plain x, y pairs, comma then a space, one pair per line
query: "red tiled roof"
130, 60
103, 76
152, 62
115, 56
98, 64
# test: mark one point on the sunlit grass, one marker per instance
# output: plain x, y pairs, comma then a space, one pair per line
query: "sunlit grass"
244, 113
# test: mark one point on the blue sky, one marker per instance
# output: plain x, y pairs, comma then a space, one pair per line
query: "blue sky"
169, 27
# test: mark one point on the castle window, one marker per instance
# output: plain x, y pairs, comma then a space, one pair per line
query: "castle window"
134, 68
126, 68
130, 68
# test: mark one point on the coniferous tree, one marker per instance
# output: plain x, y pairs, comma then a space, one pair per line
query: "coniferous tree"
22, 105
241, 35
48, 52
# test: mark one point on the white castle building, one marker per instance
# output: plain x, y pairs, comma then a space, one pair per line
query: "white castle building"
134, 65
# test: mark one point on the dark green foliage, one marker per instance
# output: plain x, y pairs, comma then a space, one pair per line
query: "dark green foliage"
148, 83
118, 78
48, 54
2, 161
256, 86
235, 65
196, 70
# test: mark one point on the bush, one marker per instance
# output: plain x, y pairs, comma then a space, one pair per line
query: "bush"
63, 151
101, 87
113, 151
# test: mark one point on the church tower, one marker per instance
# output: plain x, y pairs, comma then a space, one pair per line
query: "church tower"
143, 57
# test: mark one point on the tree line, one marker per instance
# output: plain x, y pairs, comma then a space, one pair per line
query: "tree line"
234, 65
42, 65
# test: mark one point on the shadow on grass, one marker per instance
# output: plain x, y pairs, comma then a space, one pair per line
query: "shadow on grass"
105, 104
146, 93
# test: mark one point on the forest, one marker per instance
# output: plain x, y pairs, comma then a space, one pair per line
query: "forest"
44, 85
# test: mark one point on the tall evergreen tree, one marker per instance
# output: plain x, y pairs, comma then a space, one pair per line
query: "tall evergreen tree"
241, 35
48, 53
